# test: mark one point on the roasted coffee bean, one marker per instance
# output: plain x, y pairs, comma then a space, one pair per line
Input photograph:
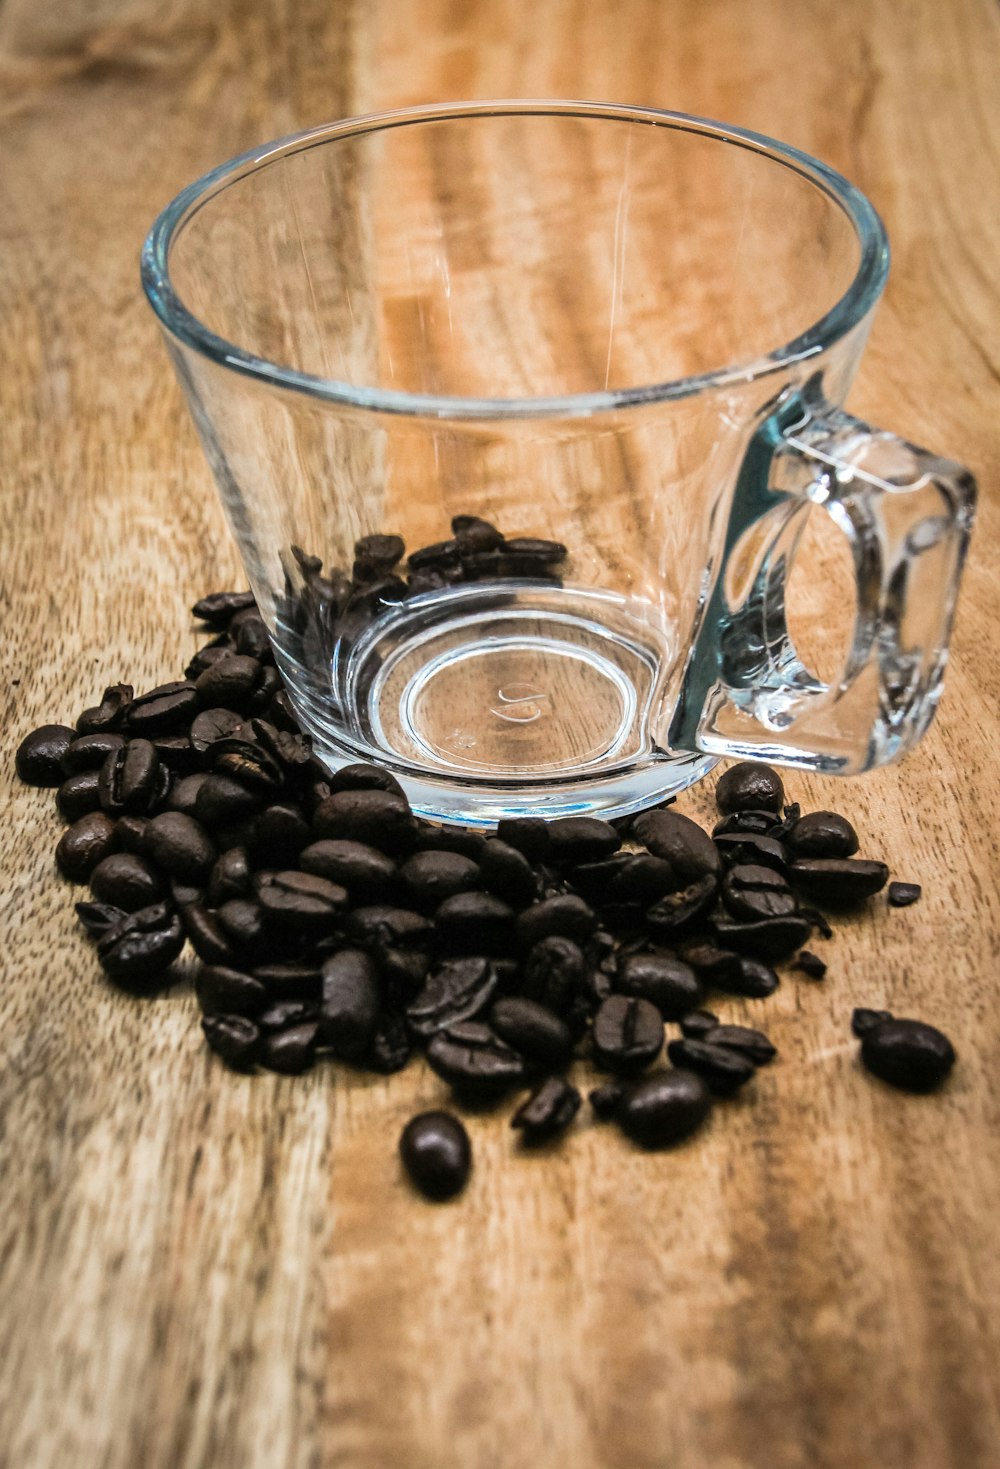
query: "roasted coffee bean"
79, 795
528, 834
364, 871
382, 925
218, 608
459, 989
184, 792
283, 1014
378, 818
724, 1069
130, 782
581, 839
97, 918
311, 904
862, 1020
746, 823
223, 991
432, 838
243, 922
751, 978
278, 835
747, 849
270, 686
362, 776
291, 1051
224, 801
902, 894
681, 842
403, 970
206, 935
714, 966
84, 844
183, 894
230, 683
627, 1035
536, 1032
176, 754
605, 1100
141, 945
127, 881
475, 1061
246, 761
475, 535
436, 1154
663, 1108
89, 752
380, 550
164, 710
753, 892
822, 834
908, 1054
229, 878
753, 1044
290, 981
809, 964
838, 882
668, 983
678, 914
553, 973
252, 640
697, 1023
392, 1047
351, 1004
548, 1111
439, 555
767, 938
642, 878
566, 916
178, 845
110, 713
371, 598
214, 652
430, 877
474, 923
749, 786
534, 548
506, 873
129, 833
212, 725
234, 1038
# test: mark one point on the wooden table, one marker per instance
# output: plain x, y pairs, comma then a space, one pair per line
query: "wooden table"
199, 1269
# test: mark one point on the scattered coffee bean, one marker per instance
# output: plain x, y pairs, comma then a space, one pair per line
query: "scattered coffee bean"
140, 946
351, 1004
436, 1154
740, 849
548, 1111
749, 786
223, 991
838, 881
809, 964
83, 845
218, 608
767, 938
663, 1108
552, 973
110, 714
476, 1062
178, 845
89, 752
628, 1034
908, 1054
668, 983
290, 1051
902, 894
457, 990
724, 1069
39, 757
97, 918
234, 1038
862, 1020
822, 834
680, 913
751, 1043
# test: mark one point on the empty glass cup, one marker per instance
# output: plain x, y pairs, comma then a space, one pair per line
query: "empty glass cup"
620, 337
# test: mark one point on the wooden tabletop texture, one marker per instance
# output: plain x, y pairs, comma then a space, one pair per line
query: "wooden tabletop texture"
202, 1270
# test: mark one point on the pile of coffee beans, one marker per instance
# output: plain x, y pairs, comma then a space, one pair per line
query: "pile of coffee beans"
331, 923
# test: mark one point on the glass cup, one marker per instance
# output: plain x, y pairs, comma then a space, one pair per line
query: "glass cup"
622, 338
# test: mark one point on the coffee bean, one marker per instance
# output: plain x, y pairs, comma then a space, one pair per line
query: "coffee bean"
127, 881
284, 1014
403, 969
178, 845
714, 966
862, 1020
206, 935
378, 818
668, 983
902, 894
224, 801
79, 795
908, 1054
457, 990
364, 871
230, 683
565, 915
535, 548
97, 918
392, 1047
141, 945
548, 1111
839, 882
474, 923
361, 776
681, 842
753, 1044
229, 878
130, 781
750, 785
246, 761
507, 874
642, 878
475, 535
753, 892
436, 1154
750, 977
678, 914
627, 1034
760, 851
475, 1061
746, 823
724, 1069
84, 844
529, 835
291, 1051
351, 1004
663, 1108
176, 754
224, 991
430, 877
89, 752
234, 1038
809, 964
380, 550
243, 922
252, 641
184, 792
435, 556
110, 714
697, 1023
212, 725
581, 839
768, 938
278, 835
605, 1100
311, 904
164, 710
822, 834
536, 1032
290, 981
379, 924
218, 608
553, 973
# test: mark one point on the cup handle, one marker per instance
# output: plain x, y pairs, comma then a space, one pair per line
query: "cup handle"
907, 515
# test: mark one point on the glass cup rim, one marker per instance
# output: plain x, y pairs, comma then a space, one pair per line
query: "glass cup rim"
852, 307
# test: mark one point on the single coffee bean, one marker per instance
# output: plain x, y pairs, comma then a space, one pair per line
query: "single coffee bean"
229, 878
362, 776
908, 1054
746, 823
378, 818
507, 874
364, 871
84, 844
218, 608
127, 881
351, 1004
642, 878
110, 713
553, 973
548, 1111
677, 914
381, 925
839, 882
862, 1020
289, 981
392, 1047
277, 836
750, 785
753, 892
311, 904
593, 880
767, 938
403, 970
230, 683
97, 918
224, 801
565, 915
809, 964
178, 845
581, 839
243, 922
164, 710
291, 1051
605, 1100
89, 752
537, 1033
213, 652
246, 761
535, 548
206, 935
234, 1038
822, 834
430, 877
753, 1044
380, 550
528, 834
475, 535
184, 792
212, 725
176, 754
697, 1023
475, 1061
284, 1014
668, 983
475, 923
902, 894
40, 755
141, 945
663, 1108
724, 1069
715, 967
129, 832
457, 990
681, 842
436, 1154
740, 849
627, 1034
130, 781
79, 795
440, 554
224, 991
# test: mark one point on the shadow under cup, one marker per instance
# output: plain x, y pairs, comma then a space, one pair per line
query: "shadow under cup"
604, 328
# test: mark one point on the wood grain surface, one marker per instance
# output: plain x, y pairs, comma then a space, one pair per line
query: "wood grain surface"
199, 1269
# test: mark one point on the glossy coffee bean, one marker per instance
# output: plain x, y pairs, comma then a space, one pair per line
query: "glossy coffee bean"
277, 836
822, 834
627, 1034
565, 916
552, 973
476, 1062
233, 1038
529, 835
39, 757
548, 1111
750, 785
218, 608
111, 713
79, 794
642, 878
127, 881
164, 710
753, 1044
230, 683
908, 1054
378, 818
534, 1031
229, 878
752, 892
291, 1051
668, 983
89, 752
678, 914
723, 1069
680, 841
366, 873
83, 845
862, 1020
362, 776
605, 1100
507, 874
212, 725
97, 918
697, 1023
139, 947
380, 925
224, 991
436, 1154
178, 845
430, 877
838, 882
130, 780
310, 904
809, 964
740, 848
663, 1108
455, 991
223, 801
581, 839
766, 938
902, 894
351, 1004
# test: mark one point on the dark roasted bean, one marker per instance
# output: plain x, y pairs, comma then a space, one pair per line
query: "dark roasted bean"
179, 846
277, 836
668, 983
553, 973
97, 918
79, 794
110, 713
176, 754
141, 945
290, 981
283, 1014
223, 991
751, 1043
378, 818
229, 683
751, 978
475, 535
565, 915
311, 904
581, 839
506, 873
252, 641
130, 780
206, 935
908, 1054
752, 892
475, 1061
715, 967
678, 914
430, 877
746, 823
392, 1047
224, 801
406, 969
628, 1034
459, 989
768, 938
902, 894
436, 1154
84, 844
822, 834
698, 1023
164, 710
380, 924
89, 752
229, 878
351, 1004
809, 964
184, 792
536, 1032
431, 558
474, 923
243, 921
642, 878
724, 1069
548, 1111
362, 776
212, 725
219, 607
838, 881
290, 1051
432, 838
749, 786
528, 834
246, 761
663, 1108
740, 849
234, 1038
213, 652
534, 548
364, 871
127, 881
681, 842
862, 1020
605, 1100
